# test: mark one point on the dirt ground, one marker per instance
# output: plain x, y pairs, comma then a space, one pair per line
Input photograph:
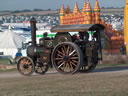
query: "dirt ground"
6, 67
105, 81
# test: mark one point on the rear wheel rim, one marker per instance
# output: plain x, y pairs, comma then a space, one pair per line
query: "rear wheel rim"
67, 58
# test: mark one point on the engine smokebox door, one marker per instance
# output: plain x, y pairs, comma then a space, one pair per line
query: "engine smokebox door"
45, 58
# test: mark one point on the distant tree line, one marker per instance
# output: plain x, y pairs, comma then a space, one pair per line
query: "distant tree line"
112, 7
28, 10
36, 9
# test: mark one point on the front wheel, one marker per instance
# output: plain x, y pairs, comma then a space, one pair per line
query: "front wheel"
25, 66
67, 58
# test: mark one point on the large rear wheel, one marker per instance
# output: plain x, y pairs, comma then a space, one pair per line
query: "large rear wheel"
67, 58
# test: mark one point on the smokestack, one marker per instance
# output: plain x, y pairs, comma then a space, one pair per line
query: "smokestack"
33, 31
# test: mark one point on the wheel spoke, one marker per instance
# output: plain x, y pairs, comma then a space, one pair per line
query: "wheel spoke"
75, 54
71, 67
59, 62
59, 55
30, 68
74, 58
58, 58
68, 67
63, 68
61, 65
22, 62
68, 50
72, 52
26, 61
60, 52
73, 63
22, 69
63, 51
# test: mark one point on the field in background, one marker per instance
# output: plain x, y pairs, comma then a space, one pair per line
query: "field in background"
4, 61
5, 65
103, 11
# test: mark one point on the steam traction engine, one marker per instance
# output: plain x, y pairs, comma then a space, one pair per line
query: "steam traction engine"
67, 53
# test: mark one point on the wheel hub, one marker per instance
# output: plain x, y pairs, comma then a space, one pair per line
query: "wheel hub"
25, 66
66, 58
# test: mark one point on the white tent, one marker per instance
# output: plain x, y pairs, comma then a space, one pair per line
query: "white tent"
10, 42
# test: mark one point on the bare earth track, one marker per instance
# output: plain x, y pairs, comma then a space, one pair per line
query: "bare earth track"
109, 81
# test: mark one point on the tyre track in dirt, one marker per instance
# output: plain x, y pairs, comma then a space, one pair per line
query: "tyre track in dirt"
107, 71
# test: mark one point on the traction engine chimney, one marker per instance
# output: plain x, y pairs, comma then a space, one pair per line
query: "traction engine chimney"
33, 31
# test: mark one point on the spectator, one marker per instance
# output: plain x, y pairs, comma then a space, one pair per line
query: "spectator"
18, 54
123, 48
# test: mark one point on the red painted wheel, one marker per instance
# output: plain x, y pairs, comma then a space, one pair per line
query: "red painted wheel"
67, 58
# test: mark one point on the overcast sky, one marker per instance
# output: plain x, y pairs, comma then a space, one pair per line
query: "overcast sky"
53, 4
